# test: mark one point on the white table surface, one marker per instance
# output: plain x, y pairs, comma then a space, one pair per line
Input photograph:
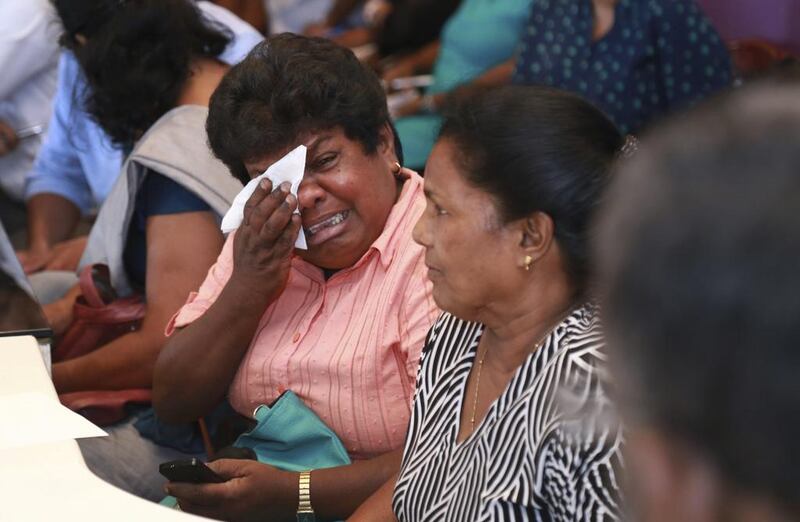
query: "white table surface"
50, 481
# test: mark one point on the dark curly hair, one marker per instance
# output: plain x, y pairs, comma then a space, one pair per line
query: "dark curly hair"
136, 57
289, 85
537, 149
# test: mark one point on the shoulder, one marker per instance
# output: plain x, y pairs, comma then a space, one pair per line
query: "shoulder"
575, 370
450, 332
411, 203
581, 401
582, 338
585, 434
245, 37
162, 195
448, 340
399, 253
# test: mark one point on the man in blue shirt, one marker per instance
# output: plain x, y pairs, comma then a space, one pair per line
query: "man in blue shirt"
77, 164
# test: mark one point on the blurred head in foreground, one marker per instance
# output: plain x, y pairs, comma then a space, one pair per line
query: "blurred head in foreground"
699, 250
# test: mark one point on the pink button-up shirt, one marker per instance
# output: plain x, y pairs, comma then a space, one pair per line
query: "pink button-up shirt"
349, 346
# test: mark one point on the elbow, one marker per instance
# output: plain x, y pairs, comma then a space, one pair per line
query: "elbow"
164, 404
169, 407
166, 392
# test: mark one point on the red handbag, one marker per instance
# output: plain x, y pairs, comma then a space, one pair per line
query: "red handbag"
99, 317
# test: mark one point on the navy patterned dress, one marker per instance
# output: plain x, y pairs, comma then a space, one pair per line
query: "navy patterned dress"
660, 55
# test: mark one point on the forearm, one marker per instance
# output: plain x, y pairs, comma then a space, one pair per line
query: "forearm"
337, 492
424, 59
127, 362
494, 77
184, 389
51, 219
497, 75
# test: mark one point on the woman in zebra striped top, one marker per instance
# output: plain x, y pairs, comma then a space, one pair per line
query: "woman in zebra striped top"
510, 418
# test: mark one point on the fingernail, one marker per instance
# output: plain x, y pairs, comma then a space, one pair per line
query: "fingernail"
291, 200
286, 187
265, 184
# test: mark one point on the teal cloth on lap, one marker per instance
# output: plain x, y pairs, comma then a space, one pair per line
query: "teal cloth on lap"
290, 437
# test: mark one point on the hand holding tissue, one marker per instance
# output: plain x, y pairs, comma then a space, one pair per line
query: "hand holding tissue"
289, 168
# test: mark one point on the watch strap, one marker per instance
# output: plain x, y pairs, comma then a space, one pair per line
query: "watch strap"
305, 513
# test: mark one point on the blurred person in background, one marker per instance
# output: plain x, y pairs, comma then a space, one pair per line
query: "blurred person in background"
637, 60
698, 262
150, 67
29, 60
396, 27
477, 46
78, 162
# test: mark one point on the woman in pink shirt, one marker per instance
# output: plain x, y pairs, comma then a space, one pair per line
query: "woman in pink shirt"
342, 323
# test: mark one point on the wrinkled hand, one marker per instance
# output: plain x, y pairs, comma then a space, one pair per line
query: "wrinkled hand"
251, 491
8, 139
263, 246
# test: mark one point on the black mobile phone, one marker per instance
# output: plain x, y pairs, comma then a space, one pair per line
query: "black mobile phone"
189, 470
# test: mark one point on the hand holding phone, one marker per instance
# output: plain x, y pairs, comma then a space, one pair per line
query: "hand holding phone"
193, 471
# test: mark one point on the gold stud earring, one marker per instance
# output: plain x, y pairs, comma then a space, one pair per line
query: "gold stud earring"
528, 263
396, 168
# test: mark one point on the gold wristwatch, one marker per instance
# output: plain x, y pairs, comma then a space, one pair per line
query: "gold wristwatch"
305, 513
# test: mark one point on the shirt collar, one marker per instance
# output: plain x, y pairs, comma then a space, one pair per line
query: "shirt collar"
391, 238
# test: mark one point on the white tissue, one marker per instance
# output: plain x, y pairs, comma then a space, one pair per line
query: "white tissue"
289, 168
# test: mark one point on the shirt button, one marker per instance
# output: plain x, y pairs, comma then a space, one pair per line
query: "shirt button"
296, 337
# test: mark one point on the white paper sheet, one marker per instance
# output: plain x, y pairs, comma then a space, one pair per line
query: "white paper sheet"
31, 418
289, 168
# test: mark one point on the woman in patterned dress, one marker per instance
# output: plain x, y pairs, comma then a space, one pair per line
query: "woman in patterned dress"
510, 418
635, 59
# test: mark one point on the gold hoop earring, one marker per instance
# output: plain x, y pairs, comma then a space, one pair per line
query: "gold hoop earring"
396, 168
527, 263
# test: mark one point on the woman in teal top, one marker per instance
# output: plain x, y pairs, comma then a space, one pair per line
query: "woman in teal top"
479, 39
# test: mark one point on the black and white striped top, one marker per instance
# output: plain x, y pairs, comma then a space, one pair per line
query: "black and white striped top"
548, 448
